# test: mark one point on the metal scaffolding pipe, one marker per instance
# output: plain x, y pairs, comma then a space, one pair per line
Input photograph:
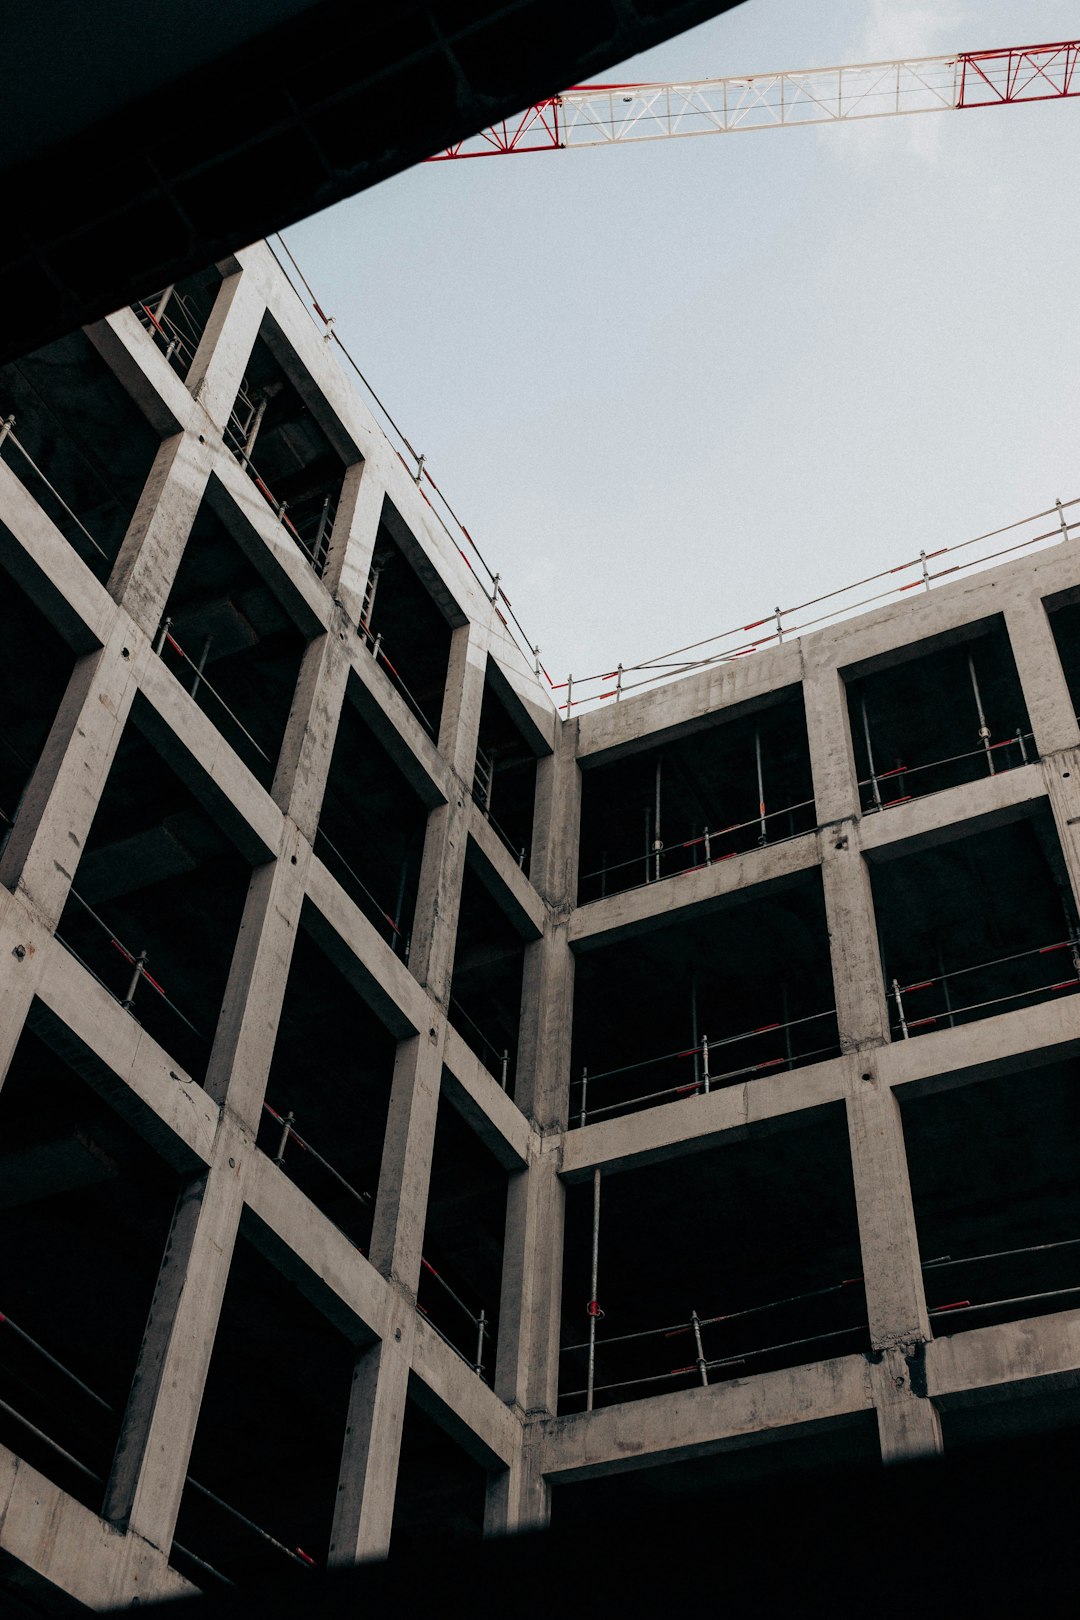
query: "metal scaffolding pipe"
594, 1308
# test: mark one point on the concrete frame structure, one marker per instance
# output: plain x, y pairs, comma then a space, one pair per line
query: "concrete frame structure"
514, 1425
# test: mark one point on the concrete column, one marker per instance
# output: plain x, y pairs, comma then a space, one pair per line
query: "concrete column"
519, 1498
308, 746
356, 529
908, 1423
895, 1298
63, 793
247, 1025
527, 1363
832, 759
1042, 679
150, 1466
364, 1511
849, 904
149, 557
431, 957
225, 349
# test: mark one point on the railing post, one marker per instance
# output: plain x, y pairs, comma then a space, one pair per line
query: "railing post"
137, 973
584, 1096
200, 666
594, 1306
705, 1061
481, 1326
900, 1009
162, 636
286, 1130
6, 427
702, 1369
505, 1066
984, 729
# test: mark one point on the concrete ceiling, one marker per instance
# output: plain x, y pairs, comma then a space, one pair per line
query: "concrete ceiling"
144, 143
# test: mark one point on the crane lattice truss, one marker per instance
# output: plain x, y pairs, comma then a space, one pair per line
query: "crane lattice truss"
606, 114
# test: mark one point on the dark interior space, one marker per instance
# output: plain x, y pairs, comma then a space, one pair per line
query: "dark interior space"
1065, 624
738, 783
86, 439
754, 981
925, 719
157, 875
29, 705
441, 1489
405, 631
758, 1237
845, 1449
230, 642
461, 1275
278, 441
371, 826
262, 1480
176, 316
996, 1187
976, 926
987, 1529
976, 1426
85, 1209
329, 1089
504, 782
485, 992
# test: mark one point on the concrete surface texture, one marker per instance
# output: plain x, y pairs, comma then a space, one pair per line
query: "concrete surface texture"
424, 1114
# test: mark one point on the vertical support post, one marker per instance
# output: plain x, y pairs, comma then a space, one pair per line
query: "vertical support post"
925, 571
900, 1009
137, 973
658, 842
594, 1308
253, 434
504, 1065
6, 427
163, 301
200, 666
618, 683
694, 1028
481, 1330
583, 1116
569, 697
984, 729
162, 636
286, 1129
870, 754
702, 1368
779, 626
787, 1025
705, 1061
320, 533
943, 976
762, 834
1022, 745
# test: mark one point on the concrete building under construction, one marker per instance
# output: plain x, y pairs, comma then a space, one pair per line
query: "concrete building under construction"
426, 1110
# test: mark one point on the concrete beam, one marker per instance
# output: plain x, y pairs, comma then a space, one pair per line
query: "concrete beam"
132, 1072
483, 1104
697, 1422
697, 1123
953, 813
690, 894
73, 1551
991, 1359
466, 1407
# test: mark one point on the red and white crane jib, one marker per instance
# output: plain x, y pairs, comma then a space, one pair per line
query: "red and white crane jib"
607, 114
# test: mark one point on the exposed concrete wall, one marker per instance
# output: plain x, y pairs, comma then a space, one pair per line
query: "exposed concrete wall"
208, 1130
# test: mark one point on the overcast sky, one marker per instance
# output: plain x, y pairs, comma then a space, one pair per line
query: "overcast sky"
669, 386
